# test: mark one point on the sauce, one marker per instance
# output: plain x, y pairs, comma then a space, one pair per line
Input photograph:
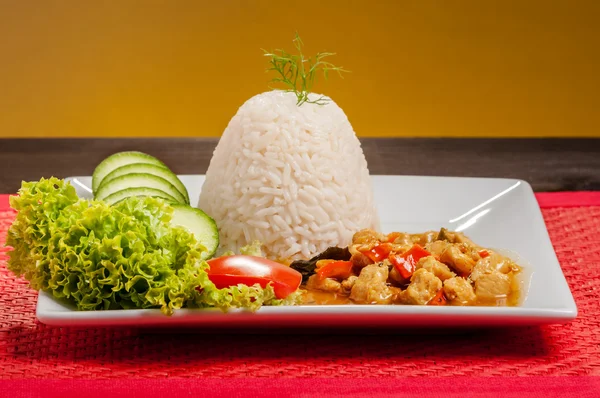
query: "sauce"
513, 299
318, 297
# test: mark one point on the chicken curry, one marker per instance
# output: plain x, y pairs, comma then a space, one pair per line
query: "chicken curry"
431, 268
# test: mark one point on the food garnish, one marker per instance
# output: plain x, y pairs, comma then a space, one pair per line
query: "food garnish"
138, 180
128, 255
298, 73
132, 173
234, 270
199, 224
121, 159
152, 169
137, 192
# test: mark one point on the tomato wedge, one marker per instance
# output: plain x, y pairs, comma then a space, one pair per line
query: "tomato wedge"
335, 269
248, 270
379, 252
405, 263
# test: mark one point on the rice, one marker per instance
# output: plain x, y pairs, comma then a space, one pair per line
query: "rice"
293, 177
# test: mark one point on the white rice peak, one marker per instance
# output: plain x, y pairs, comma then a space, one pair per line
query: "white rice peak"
293, 177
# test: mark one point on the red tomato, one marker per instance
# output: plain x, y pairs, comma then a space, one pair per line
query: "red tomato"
405, 263
247, 270
335, 269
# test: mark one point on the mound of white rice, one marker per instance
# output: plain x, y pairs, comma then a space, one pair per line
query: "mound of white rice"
294, 178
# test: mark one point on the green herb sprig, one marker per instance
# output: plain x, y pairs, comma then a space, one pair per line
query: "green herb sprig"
298, 73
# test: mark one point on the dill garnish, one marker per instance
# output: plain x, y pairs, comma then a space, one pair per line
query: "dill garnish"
298, 73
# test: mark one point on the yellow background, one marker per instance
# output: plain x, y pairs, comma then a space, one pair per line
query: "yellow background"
182, 68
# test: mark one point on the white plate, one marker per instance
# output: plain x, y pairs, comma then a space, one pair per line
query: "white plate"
496, 213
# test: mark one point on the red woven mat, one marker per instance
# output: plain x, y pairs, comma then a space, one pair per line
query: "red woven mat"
447, 387
29, 349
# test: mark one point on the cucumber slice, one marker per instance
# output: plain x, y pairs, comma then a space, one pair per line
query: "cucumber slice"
153, 169
126, 193
117, 160
200, 224
138, 180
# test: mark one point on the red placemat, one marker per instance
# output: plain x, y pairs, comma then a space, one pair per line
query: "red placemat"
29, 349
447, 387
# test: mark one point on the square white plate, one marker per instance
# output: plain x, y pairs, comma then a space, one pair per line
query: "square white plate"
496, 213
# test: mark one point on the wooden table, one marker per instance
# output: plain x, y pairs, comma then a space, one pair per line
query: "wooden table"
547, 164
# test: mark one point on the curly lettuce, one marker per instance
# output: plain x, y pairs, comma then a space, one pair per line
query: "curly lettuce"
253, 249
125, 256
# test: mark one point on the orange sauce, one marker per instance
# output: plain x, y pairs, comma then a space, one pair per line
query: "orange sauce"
318, 297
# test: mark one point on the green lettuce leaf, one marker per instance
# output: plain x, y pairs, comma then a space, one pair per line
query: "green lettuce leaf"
115, 257
253, 249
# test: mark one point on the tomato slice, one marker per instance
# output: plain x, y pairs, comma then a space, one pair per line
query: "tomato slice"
439, 298
379, 252
405, 263
335, 269
248, 270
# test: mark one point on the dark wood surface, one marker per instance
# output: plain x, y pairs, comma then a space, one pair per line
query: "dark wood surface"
547, 164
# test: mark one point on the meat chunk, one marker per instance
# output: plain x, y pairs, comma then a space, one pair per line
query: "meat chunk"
396, 277
348, 284
493, 287
437, 268
401, 239
371, 286
424, 238
400, 248
363, 240
493, 278
367, 236
458, 257
482, 267
326, 284
437, 248
360, 261
423, 287
459, 291
459, 237
396, 292
493, 262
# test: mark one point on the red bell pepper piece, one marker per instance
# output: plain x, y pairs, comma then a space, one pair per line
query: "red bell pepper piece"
335, 269
439, 298
405, 263
379, 252
483, 253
